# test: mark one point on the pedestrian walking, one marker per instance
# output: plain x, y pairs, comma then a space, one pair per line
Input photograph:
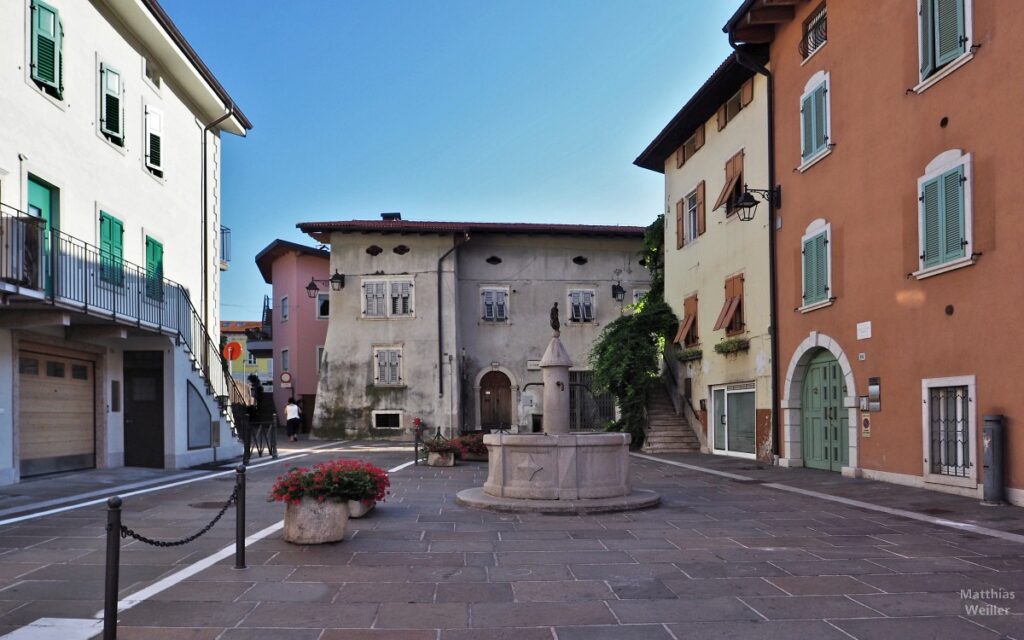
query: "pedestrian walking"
292, 415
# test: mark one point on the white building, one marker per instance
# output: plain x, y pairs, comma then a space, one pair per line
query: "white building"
447, 321
110, 257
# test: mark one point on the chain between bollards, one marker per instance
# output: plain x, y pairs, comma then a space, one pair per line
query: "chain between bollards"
240, 517
113, 567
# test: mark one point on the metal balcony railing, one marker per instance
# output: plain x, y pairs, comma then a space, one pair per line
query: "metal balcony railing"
815, 32
225, 244
51, 266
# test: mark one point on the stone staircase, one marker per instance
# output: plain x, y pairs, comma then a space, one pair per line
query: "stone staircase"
667, 432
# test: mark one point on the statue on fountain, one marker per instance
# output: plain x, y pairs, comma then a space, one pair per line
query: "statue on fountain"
554, 318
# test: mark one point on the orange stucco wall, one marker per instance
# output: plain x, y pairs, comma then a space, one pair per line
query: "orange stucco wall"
867, 189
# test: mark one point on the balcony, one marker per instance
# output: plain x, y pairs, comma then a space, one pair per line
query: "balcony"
225, 247
41, 267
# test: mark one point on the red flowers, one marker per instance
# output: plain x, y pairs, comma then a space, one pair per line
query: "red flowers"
338, 480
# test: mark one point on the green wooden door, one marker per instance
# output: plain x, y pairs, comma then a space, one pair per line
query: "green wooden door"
42, 205
825, 429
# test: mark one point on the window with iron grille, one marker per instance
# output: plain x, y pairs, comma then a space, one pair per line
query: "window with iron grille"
949, 431
581, 305
815, 32
495, 304
387, 366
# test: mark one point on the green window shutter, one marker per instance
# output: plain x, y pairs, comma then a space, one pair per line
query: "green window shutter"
815, 259
809, 275
111, 249
46, 45
949, 30
111, 103
154, 269
931, 228
807, 128
953, 227
927, 35
819, 96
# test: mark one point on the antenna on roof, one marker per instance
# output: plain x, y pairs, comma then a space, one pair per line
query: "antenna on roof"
391, 216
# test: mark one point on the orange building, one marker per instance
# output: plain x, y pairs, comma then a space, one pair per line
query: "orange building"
897, 145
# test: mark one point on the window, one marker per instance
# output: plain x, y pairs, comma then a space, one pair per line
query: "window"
111, 249
54, 369
730, 317
151, 73
639, 295
815, 32
687, 335
154, 269
111, 104
251, 359
154, 141
286, 360
28, 366
323, 306
401, 298
690, 147
733, 187
732, 412
732, 107
387, 366
815, 118
817, 264
79, 372
495, 304
944, 33
690, 217
945, 212
949, 430
581, 305
284, 308
387, 419
387, 298
47, 49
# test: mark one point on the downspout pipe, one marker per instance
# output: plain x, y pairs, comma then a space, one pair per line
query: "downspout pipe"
440, 313
744, 60
205, 234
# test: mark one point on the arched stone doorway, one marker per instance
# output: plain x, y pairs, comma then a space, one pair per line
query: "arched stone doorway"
819, 367
495, 401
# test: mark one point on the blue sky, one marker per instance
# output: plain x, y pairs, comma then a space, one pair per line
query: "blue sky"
522, 110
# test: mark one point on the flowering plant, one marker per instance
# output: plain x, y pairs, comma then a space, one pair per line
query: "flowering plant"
472, 443
440, 445
338, 480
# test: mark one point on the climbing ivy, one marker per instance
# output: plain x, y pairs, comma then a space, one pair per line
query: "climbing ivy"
626, 356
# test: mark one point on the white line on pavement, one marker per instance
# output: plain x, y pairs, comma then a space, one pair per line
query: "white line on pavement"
942, 522
113, 490
402, 466
57, 629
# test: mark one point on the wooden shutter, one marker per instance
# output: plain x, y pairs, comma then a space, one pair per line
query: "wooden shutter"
111, 249
747, 92
46, 45
500, 306
733, 173
819, 97
381, 375
680, 218
815, 265
809, 274
680, 153
154, 139
949, 30
684, 328
154, 268
926, 28
111, 104
931, 242
394, 375
698, 137
588, 306
953, 230
807, 126
700, 208
721, 116
488, 305
576, 306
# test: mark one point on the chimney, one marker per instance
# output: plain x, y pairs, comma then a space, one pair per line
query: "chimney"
391, 217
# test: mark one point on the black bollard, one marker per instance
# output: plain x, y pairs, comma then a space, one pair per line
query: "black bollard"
113, 567
240, 517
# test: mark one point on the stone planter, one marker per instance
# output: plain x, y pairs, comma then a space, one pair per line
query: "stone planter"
440, 459
358, 509
312, 522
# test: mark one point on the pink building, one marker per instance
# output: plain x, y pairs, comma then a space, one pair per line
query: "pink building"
298, 323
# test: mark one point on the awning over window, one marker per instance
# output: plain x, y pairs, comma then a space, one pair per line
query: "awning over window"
684, 329
728, 311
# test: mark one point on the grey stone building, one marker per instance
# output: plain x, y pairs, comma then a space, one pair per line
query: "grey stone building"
446, 321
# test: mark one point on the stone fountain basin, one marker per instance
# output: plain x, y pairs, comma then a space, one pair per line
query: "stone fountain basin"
574, 466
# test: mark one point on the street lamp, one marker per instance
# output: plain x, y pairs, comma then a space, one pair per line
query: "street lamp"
618, 293
746, 204
337, 282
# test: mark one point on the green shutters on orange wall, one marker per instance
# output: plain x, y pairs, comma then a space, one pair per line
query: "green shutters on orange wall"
47, 47
815, 263
943, 33
814, 121
943, 222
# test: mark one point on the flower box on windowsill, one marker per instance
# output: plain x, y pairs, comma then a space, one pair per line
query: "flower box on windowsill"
732, 345
693, 353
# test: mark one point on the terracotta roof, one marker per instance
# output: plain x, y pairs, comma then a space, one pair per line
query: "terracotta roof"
439, 227
722, 85
265, 258
239, 326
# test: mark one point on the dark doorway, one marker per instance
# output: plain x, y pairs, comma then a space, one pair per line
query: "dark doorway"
307, 404
495, 401
144, 409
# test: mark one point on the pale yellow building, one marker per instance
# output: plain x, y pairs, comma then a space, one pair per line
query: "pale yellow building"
717, 276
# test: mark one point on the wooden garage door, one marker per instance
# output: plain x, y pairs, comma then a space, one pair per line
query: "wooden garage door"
56, 413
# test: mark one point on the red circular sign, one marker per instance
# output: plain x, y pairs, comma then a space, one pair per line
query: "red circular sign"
232, 351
